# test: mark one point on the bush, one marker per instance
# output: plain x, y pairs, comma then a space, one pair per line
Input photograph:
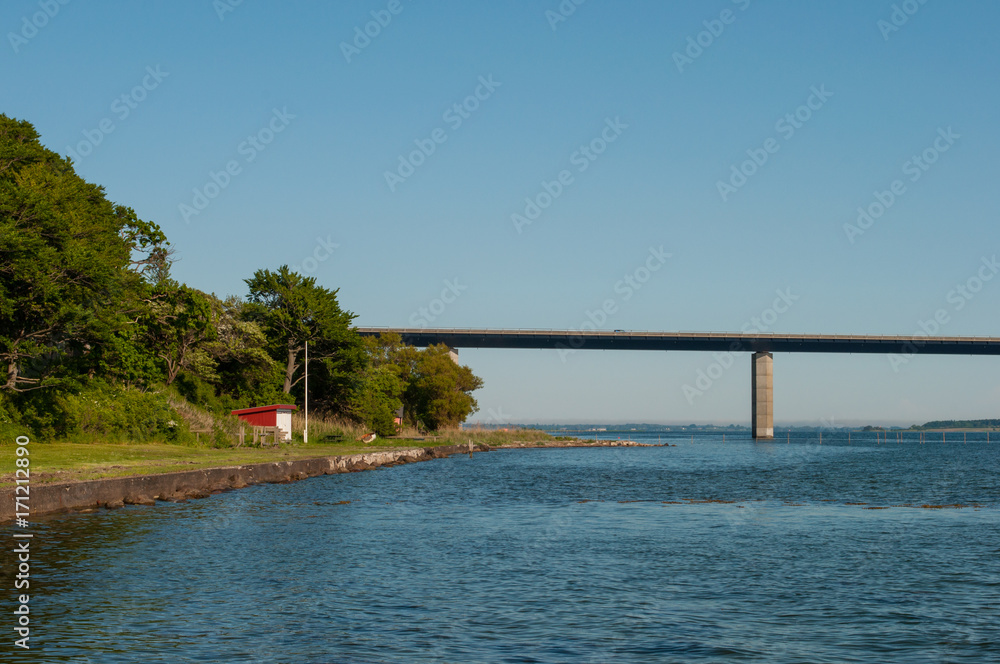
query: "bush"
110, 413
10, 425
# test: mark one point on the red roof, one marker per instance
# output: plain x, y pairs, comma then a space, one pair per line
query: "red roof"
264, 409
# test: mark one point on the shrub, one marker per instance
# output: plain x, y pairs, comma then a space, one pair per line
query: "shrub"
111, 413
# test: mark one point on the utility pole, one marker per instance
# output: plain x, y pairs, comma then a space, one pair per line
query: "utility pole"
305, 431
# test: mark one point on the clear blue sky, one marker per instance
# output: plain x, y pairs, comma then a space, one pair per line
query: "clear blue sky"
681, 125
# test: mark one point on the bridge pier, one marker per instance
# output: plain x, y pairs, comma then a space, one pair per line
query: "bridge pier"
762, 396
453, 354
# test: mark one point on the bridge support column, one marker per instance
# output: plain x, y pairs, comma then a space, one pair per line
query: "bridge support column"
762, 396
453, 354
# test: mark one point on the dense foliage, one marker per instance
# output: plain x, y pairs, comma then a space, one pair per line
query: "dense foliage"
434, 391
959, 424
97, 341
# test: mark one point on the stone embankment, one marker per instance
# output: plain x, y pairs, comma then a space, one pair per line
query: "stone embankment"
147, 489
113, 492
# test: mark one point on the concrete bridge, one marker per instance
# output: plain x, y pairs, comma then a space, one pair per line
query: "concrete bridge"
761, 345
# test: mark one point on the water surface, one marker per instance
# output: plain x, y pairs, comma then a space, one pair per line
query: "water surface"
702, 552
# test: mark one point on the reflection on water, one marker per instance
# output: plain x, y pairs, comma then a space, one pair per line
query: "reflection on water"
702, 552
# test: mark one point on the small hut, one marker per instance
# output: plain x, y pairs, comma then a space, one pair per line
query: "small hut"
276, 415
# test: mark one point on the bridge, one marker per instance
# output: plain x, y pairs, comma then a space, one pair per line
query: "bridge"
763, 346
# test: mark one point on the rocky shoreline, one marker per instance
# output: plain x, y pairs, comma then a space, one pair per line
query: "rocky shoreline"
577, 443
115, 492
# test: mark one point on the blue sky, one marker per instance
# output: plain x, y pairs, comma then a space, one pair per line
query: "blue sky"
309, 129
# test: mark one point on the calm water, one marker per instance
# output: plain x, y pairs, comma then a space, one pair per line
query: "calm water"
577, 555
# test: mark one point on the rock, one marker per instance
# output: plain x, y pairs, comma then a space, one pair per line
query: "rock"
139, 500
114, 504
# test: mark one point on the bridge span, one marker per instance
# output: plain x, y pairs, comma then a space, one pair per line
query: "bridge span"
761, 345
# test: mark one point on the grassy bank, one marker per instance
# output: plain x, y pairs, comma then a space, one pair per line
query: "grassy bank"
65, 462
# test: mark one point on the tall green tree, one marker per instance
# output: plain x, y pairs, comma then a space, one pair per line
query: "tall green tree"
74, 267
377, 397
388, 350
180, 325
291, 310
382, 382
439, 392
245, 370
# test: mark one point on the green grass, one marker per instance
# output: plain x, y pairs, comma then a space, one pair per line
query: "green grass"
64, 462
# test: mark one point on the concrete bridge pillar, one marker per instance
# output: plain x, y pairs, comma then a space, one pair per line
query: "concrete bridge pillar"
762, 396
453, 354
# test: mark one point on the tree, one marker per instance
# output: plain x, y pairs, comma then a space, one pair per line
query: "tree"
382, 383
180, 324
439, 391
377, 398
292, 310
244, 368
73, 265
388, 350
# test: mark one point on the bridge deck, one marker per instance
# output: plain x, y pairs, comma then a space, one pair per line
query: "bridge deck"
693, 341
